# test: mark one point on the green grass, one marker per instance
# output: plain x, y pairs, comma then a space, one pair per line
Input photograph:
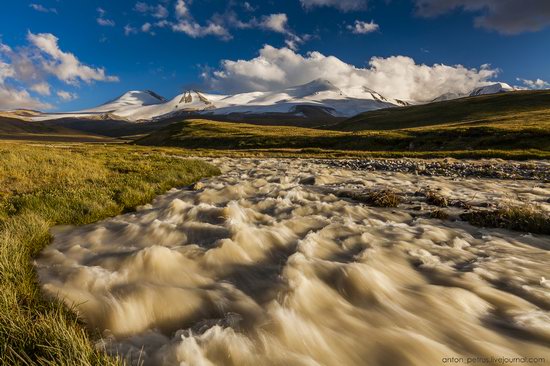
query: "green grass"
517, 111
46, 185
472, 142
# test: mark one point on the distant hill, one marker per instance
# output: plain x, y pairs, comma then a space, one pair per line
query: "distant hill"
518, 109
18, 129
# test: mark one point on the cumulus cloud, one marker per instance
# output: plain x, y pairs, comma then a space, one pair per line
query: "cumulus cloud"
188, 25
66, 96
360, 27
534, 84
196, 30
396, 77
279, 23
6, 71
504, 16
26, 70
220, 24
343, 5
65, 65
42, 88
275, 22
42, 8
12, 98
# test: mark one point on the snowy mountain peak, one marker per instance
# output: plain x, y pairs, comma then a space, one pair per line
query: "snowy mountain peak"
495, 88
313, 88
138, 97
320, 94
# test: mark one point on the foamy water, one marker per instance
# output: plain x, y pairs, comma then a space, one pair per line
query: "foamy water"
262, 267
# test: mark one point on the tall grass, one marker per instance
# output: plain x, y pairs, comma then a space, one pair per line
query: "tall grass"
42, 186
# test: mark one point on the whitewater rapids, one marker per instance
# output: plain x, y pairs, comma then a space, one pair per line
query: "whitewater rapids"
265, 265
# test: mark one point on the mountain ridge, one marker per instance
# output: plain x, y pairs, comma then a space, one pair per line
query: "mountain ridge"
320, 94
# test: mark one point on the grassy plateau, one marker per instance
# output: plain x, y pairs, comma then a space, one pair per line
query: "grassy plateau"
511, 126
46, 185
430, 142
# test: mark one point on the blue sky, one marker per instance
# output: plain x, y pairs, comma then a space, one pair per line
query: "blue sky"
171, 45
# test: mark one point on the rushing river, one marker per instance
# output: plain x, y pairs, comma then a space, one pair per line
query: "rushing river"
265, 265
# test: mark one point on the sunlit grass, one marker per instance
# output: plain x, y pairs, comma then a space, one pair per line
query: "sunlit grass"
41, 186
474, 142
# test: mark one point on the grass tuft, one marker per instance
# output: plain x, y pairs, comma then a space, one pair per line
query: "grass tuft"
525, 218
434, 198
377, 198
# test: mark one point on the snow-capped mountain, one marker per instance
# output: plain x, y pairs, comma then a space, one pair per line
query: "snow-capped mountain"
495, 88
319, 94
492, 89
133, 98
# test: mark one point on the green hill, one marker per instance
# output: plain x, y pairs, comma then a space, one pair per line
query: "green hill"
472, 142
18, 129
517, 110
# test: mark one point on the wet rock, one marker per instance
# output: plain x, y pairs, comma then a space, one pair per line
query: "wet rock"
308, 181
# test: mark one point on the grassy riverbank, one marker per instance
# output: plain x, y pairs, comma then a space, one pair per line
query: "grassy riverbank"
46, 185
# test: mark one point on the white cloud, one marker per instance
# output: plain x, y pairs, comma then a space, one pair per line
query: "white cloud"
195, 30
279, 23
182, 11
42, 8
535, 84
396, 77
6, 71
219, 25
64, 65
186, 24
158, 11
27, 69
504, 16
66, 96
248, 7
343, 5
101, 20
147, 28
360, 27
106, 22
42, 88
128, 29
275, 22
12, 98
